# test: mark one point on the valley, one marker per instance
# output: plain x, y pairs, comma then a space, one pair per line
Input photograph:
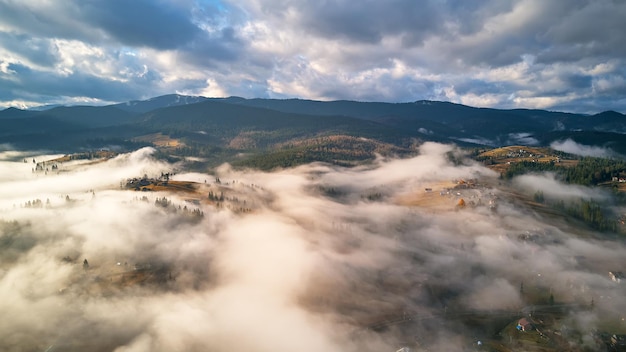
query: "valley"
361, 231
435, 273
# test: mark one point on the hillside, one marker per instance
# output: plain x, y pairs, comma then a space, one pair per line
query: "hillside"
217, 129
454, 119
243, 127
424, 236
336, 149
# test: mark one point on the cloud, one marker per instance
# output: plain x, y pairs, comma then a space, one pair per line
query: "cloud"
572, 147
477, 140
323, 254
522, 138
163, 24
552, 188
34, 84
37, 51
423, 130
411, 21
495, 294
529, 54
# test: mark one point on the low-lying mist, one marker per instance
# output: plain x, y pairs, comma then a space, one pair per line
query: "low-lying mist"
314, 258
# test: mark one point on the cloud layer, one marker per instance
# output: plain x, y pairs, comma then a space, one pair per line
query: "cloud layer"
323, 254
528, 54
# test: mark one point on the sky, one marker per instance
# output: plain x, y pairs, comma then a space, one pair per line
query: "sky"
556, 55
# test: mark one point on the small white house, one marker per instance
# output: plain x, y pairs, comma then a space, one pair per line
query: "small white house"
616, 276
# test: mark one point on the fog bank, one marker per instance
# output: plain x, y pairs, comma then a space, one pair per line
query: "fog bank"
314, 258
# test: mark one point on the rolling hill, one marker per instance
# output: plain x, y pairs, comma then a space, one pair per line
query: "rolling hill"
226, 126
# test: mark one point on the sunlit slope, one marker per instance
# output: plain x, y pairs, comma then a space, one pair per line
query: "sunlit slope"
220, 123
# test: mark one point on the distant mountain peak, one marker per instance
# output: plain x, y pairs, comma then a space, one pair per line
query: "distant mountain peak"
610, 113
12, 108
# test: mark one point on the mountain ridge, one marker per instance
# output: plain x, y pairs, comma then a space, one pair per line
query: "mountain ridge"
230, 125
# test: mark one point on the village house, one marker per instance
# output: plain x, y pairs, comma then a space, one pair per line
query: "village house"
616, 276
617, 343
525, 325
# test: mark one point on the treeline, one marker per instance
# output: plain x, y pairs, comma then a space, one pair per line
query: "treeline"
171, 208
589, 212
340, 150
588, 171
525, 167
197, 150
592, 171
302, 155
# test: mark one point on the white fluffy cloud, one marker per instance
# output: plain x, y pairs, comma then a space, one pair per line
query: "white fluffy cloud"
570, 146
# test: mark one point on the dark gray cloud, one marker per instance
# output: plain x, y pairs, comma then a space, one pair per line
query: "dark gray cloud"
588, 29
157, 24
45, 84
470, 16
362, 22
205, 50
47, 20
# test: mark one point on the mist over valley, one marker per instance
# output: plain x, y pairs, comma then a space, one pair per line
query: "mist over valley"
426, 246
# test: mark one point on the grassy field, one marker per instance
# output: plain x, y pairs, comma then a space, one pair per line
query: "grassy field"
432, 199
160, 140
504, 151
100, 155
172, 186
500, 159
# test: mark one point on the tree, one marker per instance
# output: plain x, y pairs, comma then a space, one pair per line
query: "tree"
551, 299
538, 197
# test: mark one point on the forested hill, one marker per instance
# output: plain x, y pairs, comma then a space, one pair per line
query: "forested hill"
222, 122
227, 126
437, 111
